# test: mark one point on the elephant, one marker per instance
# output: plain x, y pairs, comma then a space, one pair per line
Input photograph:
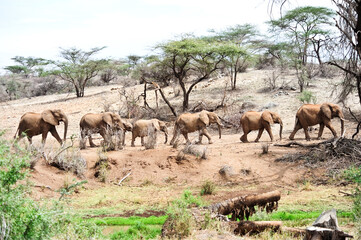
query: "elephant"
105, 124
259, 121
191, 122
32, 124
141, 128
312, 114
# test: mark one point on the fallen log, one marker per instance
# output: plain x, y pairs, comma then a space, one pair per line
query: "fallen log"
243, 206
250, 227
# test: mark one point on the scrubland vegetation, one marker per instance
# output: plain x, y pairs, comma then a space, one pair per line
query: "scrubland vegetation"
183, 64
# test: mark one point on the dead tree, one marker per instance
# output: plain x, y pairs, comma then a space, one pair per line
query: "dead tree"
326, 228
244, 206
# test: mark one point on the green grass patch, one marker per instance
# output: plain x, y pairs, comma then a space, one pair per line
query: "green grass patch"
138, 231
130, 221
298, 218
299, 215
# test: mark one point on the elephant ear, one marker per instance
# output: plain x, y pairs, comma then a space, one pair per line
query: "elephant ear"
267, 116
49, 117
156, 125
107, 118
326, 110
203, 117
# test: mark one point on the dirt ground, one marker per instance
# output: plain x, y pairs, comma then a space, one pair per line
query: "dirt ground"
249, 167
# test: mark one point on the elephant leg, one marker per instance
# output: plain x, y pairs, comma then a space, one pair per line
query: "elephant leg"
244, 136
44, 135
56, 135
186, 137
260, 131
142, 141
29, 139
83, 136
133, 139
206, 133
307, 135
322, 126
91, 143
269, 130
297, 127
329, 126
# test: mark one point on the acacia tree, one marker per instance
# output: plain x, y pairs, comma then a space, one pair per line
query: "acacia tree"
193, 60
242, 35
304, 27
27, 65
78, 67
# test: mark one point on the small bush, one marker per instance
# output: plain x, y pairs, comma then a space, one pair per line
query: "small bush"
180, 220
207, 188
102, 167
67, 159
265, 148
198, 151
307, 97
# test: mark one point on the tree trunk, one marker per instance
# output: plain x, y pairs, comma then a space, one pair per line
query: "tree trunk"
185, 101
165, 99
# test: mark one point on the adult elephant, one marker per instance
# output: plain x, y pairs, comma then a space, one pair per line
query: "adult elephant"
106, 124
191, 122
259, 121
142, 127
312, 114
32, 124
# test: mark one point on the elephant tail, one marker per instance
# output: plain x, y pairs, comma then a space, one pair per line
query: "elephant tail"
296, 120
16, 133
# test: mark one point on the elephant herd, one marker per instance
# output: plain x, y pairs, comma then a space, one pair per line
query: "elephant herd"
108, 124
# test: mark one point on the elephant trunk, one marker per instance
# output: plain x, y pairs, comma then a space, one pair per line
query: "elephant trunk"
281, 128
65, 120
166, 137
219, 130
342, 126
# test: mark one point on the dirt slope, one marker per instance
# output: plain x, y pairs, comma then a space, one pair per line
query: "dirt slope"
160, 165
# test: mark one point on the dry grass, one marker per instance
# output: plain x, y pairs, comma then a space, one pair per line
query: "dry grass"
333, 156
196, 150
67, 158
151, 140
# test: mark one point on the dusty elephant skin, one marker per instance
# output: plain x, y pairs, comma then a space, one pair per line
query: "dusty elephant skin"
32, 124
259, 121
142, 127
106, 124
313, 114
191, 122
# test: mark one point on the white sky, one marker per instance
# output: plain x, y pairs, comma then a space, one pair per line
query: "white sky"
38, 28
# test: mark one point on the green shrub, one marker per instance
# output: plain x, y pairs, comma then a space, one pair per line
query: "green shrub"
307, 97
207, 188
180, 219
23, 218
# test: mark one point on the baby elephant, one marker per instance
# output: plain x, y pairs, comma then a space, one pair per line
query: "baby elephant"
259, 121
142, 127
106, 124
